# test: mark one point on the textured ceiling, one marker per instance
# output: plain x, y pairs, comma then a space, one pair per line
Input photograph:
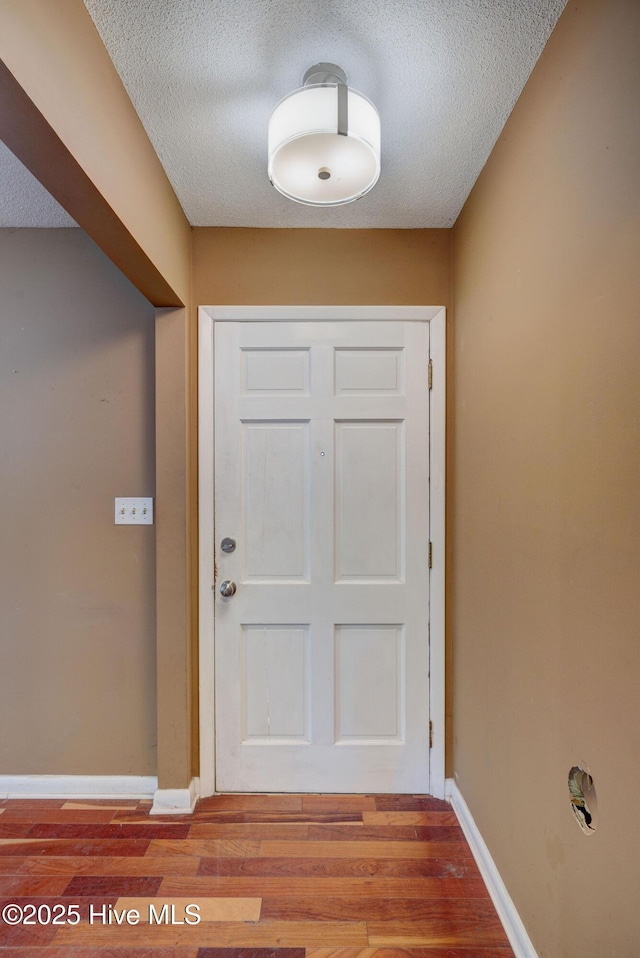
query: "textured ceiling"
204, 76
23, 200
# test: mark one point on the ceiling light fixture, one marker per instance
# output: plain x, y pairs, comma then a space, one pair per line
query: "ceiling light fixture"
324, 141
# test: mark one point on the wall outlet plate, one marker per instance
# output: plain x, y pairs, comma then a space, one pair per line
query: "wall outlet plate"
134, 512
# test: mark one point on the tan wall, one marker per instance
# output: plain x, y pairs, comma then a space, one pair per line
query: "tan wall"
321, 266
176, 552
546, 487
65, 114
77, 593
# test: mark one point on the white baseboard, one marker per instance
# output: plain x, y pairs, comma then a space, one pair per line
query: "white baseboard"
507, 912
176, 801
77, 786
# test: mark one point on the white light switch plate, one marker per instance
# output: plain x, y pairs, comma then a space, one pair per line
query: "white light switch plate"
134, 512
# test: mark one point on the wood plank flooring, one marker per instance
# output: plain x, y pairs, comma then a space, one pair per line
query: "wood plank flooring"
272, 876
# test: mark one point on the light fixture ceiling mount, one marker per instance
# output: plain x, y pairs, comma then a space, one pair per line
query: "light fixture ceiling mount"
324, 73
324, 141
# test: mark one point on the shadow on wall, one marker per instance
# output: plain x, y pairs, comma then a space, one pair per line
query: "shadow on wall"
77, 594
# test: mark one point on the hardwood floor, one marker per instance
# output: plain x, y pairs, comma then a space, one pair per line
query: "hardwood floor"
272, 876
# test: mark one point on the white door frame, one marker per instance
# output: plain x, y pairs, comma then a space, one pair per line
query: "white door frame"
207, 317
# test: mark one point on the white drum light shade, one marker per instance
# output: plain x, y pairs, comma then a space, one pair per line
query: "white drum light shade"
309, 160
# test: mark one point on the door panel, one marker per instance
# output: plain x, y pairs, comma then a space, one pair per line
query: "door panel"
275, 701
369, 683
321, 656
275, 501
368, 371
369, 501
275, 372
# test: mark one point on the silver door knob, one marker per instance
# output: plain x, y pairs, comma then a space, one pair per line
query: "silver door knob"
227, 588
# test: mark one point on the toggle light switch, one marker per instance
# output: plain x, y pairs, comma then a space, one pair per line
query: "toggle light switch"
134, 512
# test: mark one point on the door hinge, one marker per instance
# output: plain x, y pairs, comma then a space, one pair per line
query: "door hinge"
431, 555
430, 374
430, 734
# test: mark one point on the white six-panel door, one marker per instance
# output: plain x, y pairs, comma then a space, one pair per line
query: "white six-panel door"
321, 478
